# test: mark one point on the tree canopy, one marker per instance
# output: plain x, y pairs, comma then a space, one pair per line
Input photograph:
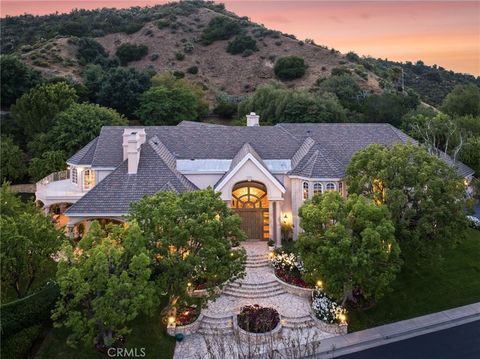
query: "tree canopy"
424, 195
345, 88
350, 244
219, 28
80, 124
12, 160
46, 163
190, 236
131, 52
463, 100
105, 283
29, 240
35, 111
275, 103
17, 79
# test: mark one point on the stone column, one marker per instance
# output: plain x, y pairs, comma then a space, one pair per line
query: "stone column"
278, 231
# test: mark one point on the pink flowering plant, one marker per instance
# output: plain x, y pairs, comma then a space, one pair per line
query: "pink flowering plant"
326, 309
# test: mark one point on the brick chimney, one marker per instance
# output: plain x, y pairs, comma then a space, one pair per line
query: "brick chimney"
253, 119
133, 138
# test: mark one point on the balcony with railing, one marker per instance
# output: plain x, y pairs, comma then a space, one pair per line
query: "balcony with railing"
58, 188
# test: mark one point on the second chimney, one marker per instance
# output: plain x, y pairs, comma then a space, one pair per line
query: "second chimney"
253, 119
132, 141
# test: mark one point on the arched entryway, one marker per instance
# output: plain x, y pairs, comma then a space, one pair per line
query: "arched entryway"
250, 201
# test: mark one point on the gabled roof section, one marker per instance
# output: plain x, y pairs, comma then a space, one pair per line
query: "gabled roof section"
85, 155
114, 193
302, 151
247, 152
316, 164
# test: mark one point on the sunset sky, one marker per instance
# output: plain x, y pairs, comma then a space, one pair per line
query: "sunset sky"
446, 33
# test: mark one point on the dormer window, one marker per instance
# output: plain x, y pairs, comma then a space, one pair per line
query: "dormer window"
305, 190
74, 175
88, 179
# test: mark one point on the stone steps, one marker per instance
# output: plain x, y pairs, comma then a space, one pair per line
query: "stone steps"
253, 286
253, 293
216, 325
257, 260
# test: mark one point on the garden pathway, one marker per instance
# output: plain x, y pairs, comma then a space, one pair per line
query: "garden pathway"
216, 338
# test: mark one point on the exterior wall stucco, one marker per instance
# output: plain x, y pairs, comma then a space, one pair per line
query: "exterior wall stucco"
203, 180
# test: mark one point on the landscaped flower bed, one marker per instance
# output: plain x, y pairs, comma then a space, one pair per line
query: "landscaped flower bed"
257, 319
289, 269
187, 315
326, 309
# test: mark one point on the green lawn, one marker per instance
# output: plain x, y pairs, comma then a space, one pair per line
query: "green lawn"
147, 332
421, 290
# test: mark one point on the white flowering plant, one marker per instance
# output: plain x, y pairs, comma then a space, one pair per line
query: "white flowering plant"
473, 222
288, 262
326, 309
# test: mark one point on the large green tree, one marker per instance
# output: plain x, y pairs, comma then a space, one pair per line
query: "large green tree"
275, 103
80, 124
17, 79
12, 160
120, 89
345, 88
35, 111
463, 100
104, 284
190, 237
350, 244
424, 194
29, 240
46, 163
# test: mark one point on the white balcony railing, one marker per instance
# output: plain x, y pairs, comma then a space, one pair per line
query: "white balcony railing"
53, 177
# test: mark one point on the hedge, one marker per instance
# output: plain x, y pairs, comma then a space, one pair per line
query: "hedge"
28, 311
19, 345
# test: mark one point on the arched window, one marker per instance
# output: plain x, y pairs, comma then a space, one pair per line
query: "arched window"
305, 190
249, 195
330, 187
317, 188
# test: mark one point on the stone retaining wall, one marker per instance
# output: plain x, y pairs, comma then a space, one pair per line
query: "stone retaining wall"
330, 328
295, 290
257, 338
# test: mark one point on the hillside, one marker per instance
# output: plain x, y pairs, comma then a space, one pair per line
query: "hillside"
173, 33
180, 32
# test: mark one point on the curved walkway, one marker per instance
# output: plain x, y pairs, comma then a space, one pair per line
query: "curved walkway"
216, 338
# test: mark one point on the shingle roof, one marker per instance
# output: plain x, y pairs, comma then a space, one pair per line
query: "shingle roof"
115, 192
85, 155
316, 164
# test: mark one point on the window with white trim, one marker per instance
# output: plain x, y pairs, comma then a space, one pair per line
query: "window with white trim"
330, 187
74, 174
305, 190
317, 188
88, 179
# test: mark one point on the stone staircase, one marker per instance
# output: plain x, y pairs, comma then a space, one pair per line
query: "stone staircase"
257, 261
253, 290
216, 325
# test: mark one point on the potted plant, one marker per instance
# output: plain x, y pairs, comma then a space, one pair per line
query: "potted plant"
271, 244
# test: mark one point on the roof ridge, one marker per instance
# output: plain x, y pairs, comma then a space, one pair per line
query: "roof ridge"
167, 157
302, 151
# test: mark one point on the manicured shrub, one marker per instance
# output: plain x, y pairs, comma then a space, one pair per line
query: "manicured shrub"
219, 28
257, 319
19, 345
28, 311
192, 70
240, 43
131, 52
289, 68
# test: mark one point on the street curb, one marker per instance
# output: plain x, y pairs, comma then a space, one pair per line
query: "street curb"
389, 333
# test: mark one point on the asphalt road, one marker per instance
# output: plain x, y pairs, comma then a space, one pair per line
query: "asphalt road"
461, 342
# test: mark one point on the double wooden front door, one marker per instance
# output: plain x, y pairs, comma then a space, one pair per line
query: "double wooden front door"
253, 222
